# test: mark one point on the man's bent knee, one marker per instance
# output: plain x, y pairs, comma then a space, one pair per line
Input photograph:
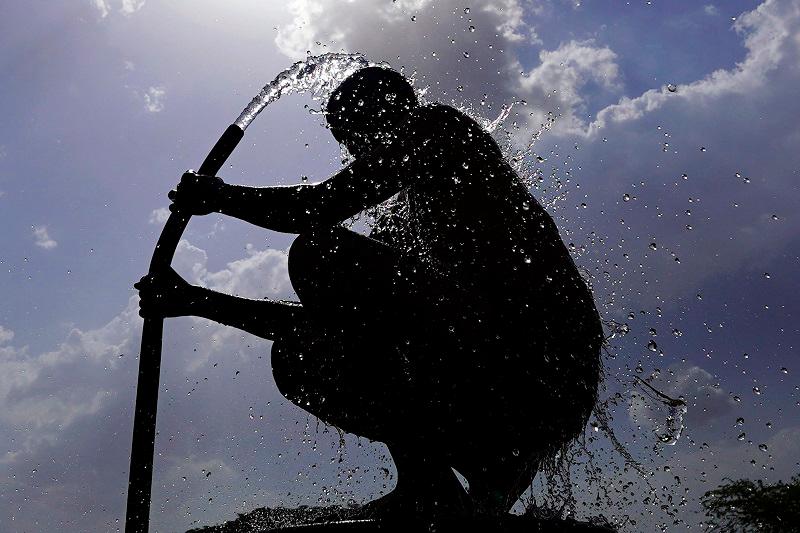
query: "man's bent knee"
307, 257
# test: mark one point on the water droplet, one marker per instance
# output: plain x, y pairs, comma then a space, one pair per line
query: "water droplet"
653, 246
652, 346
757, 391
672, 88
763, 447
784, 370
413, 18
741, 436
766, 275
739, 421
472, 28
466, 12
702, 148
737, 399
626, 197
774, 217
466, 54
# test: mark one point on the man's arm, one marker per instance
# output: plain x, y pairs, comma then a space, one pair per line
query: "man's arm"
299, 208
166, 294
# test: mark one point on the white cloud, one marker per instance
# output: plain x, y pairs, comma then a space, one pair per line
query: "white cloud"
562, 77
262, 273
126, 7
43, 239
131, 6
769, 31
102, 7
159, 216
154, 99
511, 25
711, 10
5, 335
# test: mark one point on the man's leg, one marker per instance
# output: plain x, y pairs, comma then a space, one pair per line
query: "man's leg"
347, 278
361, 377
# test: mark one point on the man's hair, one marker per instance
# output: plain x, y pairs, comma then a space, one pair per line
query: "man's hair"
367, 101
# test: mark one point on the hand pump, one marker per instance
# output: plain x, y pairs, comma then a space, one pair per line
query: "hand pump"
144, 421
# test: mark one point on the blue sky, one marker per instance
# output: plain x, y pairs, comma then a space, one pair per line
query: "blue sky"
106, 102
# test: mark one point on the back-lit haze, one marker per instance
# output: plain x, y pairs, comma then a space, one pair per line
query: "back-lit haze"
666, 138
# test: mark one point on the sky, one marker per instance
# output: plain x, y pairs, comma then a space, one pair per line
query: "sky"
671, 170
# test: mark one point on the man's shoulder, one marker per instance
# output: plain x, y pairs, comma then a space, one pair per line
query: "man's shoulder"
438, 111
434, 119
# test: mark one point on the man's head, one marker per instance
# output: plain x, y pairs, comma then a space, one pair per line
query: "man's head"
368, 106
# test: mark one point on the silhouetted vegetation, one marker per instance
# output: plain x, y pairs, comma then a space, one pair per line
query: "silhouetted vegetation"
744, 505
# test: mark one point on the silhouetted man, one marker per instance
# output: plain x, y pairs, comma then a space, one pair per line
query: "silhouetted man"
459, 332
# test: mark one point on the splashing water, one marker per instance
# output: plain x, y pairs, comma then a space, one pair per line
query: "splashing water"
671, 430
317, 75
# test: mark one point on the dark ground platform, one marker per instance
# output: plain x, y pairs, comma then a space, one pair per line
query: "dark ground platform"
512, 525
339, 520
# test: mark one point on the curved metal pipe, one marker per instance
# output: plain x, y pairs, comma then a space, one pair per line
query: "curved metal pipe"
140, 477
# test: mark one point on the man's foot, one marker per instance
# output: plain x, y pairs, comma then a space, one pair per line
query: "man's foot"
430, 494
